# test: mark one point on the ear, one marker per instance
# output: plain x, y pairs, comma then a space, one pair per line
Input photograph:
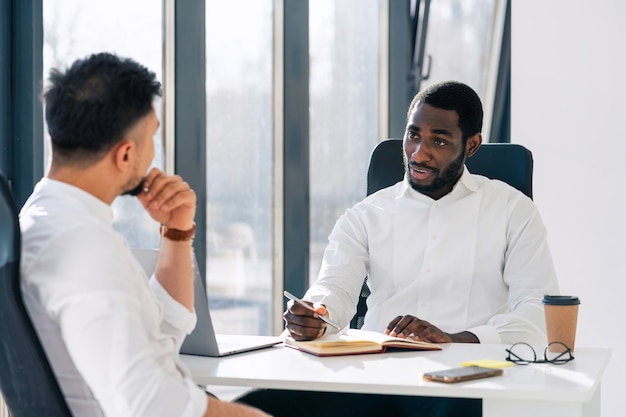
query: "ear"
472, 145
122, 155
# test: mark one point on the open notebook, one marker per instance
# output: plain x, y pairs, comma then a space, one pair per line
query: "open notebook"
203, 341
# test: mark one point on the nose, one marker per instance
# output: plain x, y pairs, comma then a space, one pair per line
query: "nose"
420, 153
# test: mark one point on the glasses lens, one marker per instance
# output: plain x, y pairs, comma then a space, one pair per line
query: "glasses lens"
558, 353
522, 353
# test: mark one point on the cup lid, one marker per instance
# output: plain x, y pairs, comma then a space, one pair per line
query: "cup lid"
561, 300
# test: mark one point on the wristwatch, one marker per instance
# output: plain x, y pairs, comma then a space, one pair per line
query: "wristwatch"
178, 235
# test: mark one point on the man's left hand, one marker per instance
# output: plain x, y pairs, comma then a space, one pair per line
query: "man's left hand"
410, 327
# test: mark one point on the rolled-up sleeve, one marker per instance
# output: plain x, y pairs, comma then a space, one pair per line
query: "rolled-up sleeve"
179, 318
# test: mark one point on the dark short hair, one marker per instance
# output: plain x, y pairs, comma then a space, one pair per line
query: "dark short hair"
453, 95
91, 105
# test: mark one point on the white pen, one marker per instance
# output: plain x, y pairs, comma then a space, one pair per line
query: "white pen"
303, 304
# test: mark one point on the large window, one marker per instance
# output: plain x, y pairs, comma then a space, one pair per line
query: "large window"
74, 29
344, 106
346, 44
462, 43
239, 178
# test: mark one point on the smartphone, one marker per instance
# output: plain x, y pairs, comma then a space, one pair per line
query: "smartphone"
464, 373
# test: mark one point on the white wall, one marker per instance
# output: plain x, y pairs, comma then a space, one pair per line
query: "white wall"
569, 108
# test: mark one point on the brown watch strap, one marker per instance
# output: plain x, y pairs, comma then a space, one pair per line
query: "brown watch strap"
178, 235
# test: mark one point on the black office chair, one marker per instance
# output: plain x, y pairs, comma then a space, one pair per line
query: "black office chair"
506, 162
27, 382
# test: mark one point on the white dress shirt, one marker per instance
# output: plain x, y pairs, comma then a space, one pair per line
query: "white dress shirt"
111, 334
477, 259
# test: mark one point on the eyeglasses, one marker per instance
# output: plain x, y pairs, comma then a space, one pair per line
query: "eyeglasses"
556, 353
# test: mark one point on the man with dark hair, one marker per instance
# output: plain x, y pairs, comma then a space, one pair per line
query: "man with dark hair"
111, 334
450, 257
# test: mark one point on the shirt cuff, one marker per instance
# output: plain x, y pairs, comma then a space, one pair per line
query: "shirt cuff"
174, 312
486, 334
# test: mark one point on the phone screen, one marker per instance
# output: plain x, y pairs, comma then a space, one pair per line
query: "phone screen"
465, 373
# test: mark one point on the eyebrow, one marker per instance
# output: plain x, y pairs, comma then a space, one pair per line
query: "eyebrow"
439, 131
445, 132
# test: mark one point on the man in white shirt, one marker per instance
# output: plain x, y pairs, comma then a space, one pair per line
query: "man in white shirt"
111, 334
449, 256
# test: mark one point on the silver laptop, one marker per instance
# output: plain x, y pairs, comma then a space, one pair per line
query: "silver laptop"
203, 341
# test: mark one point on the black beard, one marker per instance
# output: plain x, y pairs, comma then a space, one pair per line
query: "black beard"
450, 176
136, 190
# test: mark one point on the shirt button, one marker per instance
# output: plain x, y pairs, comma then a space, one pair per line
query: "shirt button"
434, 237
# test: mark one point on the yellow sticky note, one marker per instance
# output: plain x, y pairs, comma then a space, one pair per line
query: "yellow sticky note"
488, 363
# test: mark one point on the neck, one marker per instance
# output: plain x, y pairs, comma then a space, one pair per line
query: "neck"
93, 179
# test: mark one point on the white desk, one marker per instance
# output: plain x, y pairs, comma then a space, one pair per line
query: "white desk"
535, 390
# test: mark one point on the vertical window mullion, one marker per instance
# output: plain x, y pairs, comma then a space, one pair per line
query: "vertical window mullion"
296, 146
27, 119
190, 109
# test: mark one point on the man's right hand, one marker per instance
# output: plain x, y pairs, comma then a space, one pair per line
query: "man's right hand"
219, 408
304, 324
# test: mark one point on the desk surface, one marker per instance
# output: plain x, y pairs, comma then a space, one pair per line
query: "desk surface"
401, 373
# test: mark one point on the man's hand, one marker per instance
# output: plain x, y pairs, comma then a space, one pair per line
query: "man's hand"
217, 408
304, 324
169, 200
410, 327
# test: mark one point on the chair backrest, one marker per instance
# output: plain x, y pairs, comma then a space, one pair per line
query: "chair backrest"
506, 162
27, 382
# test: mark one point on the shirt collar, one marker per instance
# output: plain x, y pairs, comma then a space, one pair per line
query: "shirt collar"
465, 184
94, 205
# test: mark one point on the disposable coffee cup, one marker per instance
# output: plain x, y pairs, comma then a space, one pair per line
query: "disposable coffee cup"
561, 313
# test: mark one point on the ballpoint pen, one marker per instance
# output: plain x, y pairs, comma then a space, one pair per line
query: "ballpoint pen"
303, 304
